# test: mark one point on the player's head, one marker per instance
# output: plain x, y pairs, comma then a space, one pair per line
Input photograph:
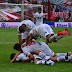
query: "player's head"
22, 28
17, 46
39, 10
12, 56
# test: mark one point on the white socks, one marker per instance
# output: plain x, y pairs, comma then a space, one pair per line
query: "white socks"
55, 37
61, 58
52, 38
61, 54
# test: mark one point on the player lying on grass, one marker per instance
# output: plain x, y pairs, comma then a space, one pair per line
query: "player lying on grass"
39, 48
23, 30
37, 59
46, 32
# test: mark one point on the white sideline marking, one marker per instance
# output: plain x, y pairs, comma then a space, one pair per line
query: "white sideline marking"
7, 42
17, 42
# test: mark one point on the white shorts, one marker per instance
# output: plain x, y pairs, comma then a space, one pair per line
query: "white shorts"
44, 30
24, 35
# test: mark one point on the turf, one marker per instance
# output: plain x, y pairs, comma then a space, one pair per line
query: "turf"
8, 37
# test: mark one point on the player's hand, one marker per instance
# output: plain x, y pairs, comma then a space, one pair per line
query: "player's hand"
23, 45
12, 61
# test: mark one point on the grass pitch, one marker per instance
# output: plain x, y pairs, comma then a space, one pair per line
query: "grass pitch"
8, 37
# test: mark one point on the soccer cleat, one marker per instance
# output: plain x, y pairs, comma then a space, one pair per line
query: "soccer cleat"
67, 32
60, 33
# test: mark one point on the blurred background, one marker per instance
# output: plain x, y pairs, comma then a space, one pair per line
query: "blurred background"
54, 10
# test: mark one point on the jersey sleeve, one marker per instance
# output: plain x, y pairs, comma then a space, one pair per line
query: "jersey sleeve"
19, 33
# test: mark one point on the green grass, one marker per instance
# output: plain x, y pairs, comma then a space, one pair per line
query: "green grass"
8, 37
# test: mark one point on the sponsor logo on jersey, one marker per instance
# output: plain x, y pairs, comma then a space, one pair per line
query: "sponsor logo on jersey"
32, 43
45, 32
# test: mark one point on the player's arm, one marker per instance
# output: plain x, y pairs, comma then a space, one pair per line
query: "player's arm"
19, 36
14, 59
28, 38
34, 19
20, 41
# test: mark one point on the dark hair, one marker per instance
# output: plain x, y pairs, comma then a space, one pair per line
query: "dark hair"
12, 56
21, 29
39, 9
17, 46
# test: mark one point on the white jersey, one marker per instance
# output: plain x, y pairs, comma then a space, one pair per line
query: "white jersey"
29, 24
23, 57
39, 18
42, 30
34, 46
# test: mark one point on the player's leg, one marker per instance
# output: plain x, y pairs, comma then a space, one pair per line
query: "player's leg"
57, 36
63, 54
60, 35
46, 49
60, 59
37, 61
42, 55
48, 32
51, 36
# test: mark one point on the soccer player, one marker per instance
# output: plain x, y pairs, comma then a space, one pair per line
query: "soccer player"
39, 17
41, 49
37, 59
46, 32
23, 30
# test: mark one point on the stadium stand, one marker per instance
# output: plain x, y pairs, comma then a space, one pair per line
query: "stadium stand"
63, 10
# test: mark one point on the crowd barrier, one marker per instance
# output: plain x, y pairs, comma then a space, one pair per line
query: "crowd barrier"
52, 24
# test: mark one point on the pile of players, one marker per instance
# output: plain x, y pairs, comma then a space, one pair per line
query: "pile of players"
38, 52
